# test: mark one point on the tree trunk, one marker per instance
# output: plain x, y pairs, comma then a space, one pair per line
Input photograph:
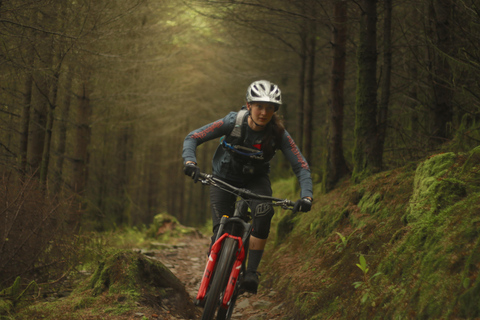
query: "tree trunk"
386, 79
62, 134
82, 140
336, 166
37, 130
309, 107
27, 101
40, 98
154, 176
364, 156
175, 192
123, 156
413, 92
442, 73
301, 88
57, 55
49, 127
178, 205
104, 192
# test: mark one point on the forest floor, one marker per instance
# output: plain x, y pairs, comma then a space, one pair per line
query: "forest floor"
184, 256
186, 259
419, 240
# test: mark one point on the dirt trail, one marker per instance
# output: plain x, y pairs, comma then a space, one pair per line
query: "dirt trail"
187, 258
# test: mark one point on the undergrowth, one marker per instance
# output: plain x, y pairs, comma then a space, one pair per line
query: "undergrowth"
415, 229
402, 244
111, 280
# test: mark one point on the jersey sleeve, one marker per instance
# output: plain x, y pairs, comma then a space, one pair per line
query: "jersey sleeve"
299, 165
208, 132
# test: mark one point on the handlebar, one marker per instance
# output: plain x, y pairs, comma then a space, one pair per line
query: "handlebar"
208, 179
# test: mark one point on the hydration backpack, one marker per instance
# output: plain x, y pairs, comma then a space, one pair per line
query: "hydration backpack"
234, 141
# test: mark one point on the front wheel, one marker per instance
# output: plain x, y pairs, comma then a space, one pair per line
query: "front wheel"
225, 314
220, 278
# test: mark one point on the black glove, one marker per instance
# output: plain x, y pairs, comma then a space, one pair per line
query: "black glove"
303, 205
192, 171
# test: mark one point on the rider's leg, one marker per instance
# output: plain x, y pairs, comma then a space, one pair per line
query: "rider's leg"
262, 215
258, 240
255, 253
256, 247
257, 243
260, 231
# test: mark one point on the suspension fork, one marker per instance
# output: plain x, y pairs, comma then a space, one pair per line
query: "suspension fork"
215, 250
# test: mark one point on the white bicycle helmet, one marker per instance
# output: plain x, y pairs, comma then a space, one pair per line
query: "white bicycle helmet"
264, 91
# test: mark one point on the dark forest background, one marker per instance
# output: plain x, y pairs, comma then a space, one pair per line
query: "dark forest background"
97, 96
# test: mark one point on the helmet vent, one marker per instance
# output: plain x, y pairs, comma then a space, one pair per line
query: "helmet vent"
264, 91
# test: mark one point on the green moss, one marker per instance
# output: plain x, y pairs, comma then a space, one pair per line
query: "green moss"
126, 272
6, 306
468, 301
420, 228
84, 302
370, 203
167, 227
284, 227
430, 261
433, 189
307, 301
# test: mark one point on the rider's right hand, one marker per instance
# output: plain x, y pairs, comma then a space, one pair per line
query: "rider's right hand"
303, 205
192, 171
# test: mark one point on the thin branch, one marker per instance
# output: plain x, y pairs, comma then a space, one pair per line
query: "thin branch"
295, 14
8, 150
38, 29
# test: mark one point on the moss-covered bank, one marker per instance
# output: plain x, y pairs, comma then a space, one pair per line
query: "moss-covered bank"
418, 229
123, 282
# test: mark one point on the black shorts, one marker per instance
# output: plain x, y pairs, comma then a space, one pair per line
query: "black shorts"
223, 203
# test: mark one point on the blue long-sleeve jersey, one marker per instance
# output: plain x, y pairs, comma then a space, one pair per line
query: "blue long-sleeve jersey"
223, 161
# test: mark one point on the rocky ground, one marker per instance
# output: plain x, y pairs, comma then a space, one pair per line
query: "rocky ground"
186, 259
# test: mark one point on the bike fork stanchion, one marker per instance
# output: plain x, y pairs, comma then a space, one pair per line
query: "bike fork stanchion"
209, 268
213, 302
237, 267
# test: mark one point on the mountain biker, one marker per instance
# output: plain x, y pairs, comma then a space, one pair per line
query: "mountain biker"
243, 161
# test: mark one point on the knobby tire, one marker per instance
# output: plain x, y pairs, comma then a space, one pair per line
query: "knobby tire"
220, 279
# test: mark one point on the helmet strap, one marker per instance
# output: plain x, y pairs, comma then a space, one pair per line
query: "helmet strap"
249, 107
258, 125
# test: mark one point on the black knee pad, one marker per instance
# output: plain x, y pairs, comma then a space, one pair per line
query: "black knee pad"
261, 220
264, 209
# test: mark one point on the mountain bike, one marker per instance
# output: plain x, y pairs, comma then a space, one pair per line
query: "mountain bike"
222, 279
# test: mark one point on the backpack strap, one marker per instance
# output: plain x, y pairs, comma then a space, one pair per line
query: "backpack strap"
238, 131
234, 141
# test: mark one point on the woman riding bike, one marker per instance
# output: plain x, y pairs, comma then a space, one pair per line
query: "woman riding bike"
250, 139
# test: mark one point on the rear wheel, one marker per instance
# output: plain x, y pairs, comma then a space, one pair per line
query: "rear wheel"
220, 278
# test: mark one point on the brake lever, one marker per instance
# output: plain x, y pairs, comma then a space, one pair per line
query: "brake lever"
207, 181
